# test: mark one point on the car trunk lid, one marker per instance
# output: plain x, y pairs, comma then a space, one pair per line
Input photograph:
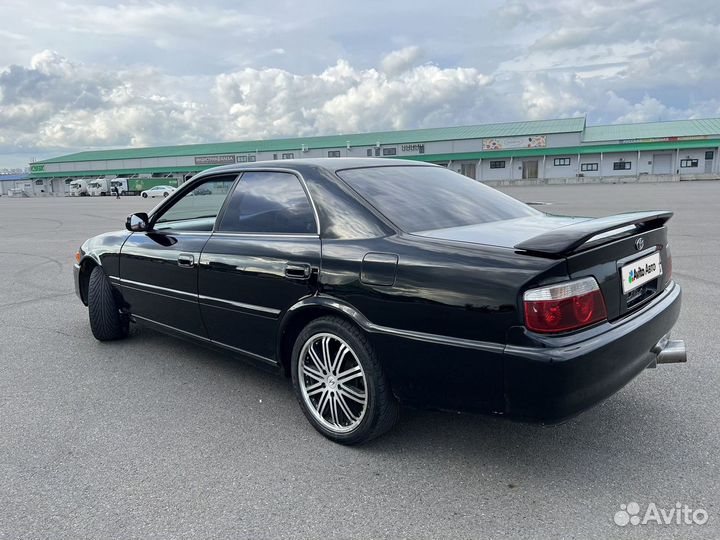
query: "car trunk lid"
596, 247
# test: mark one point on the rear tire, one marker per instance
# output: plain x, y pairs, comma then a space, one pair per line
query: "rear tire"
106, 321
347, 398
165, 194
144, 195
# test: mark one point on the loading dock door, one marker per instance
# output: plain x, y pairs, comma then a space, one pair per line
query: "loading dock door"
662, 164
530, 169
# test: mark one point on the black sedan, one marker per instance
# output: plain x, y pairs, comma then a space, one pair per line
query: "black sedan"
378, 282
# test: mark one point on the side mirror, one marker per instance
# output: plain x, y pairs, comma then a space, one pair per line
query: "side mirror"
138, 222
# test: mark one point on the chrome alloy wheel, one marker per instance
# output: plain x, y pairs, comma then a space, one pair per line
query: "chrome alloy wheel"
332, 382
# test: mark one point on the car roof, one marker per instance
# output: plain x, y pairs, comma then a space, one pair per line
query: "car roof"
329, 164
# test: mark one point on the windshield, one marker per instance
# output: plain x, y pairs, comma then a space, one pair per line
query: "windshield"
428, 198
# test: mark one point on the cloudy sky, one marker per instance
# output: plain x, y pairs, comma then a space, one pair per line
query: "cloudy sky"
76, 76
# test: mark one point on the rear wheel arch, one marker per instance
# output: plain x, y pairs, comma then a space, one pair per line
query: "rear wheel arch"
302, 314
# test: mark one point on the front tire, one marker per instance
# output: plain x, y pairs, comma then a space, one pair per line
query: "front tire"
144, 195
106, 321
340, 384
165, 194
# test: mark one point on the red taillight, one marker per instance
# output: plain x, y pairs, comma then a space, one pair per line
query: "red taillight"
565, 306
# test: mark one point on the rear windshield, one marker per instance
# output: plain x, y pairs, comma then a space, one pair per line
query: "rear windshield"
428, 198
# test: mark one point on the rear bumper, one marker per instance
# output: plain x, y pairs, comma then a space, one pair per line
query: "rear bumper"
553, 383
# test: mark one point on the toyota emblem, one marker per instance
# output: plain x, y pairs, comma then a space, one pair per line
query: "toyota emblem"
639, 244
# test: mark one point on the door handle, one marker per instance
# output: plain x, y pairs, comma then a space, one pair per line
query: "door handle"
186, 260
298, 271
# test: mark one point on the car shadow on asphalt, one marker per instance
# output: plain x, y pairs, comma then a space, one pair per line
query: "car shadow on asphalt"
601, 435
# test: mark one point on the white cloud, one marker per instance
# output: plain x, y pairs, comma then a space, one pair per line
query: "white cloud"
399, 61
168, 72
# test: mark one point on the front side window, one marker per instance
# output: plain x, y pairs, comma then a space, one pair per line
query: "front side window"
428, 198
197, 210
269, 202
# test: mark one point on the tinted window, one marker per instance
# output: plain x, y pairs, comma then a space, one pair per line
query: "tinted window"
269, 202
197, 209
427, 198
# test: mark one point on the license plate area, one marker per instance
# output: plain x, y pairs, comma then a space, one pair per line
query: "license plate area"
638, 274
638, 296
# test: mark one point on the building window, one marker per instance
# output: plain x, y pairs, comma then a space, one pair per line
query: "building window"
687, 163
289, 155
377, 151
497, 164
274, 156
589, 167
389, 151
709, 154
333, 153
622, 166
369, 152
561, 161
252, 158
242, 159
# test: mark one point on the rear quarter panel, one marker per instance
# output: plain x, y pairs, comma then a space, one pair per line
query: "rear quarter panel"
453, 290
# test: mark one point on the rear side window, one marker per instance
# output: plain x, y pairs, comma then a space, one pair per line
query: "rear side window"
428, 198
269, 202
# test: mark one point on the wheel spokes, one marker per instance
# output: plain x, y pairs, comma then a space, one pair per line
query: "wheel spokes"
339, 357
316, 360
353, 394
345, 408
333, 382
326, 353
313, 373
349, 374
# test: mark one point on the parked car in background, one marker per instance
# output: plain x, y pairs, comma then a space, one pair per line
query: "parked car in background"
158, 191
372, 283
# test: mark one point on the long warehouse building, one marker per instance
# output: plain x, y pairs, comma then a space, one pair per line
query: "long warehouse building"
544, 151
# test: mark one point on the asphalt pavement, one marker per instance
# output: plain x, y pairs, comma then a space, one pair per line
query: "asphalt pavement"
156, 437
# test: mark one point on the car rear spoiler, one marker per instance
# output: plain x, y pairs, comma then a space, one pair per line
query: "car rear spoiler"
566, 240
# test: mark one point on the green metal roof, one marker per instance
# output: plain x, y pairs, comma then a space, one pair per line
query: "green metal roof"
677, 128
511, 129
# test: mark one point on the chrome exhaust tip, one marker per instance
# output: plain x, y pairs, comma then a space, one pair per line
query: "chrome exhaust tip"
670, 351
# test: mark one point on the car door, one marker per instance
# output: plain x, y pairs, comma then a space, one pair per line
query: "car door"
263, 256
159, 268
